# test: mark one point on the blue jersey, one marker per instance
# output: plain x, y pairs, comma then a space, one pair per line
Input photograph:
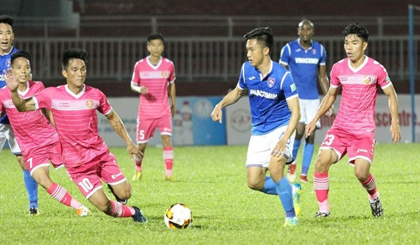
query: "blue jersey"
5, 64
303, 64
267, 96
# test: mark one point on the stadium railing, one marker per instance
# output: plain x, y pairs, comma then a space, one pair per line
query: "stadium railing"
197, 58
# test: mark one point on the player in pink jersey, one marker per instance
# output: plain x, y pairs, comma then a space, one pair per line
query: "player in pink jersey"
85, 154
154, 78
35, 135
353, 131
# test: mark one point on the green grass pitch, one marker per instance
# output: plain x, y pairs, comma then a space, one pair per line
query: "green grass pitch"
212, 182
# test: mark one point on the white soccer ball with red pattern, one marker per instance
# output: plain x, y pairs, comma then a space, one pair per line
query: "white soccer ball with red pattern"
178, 216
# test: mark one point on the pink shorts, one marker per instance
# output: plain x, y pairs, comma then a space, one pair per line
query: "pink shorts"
146, 127
355, 145
42, 156
88, 178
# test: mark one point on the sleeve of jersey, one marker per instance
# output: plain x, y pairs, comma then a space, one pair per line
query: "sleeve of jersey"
334, 82
104, 105
285, 55
383, 79
323, 55
42, 99
1, 99
288, 86
135, 79
241, 82
172, 75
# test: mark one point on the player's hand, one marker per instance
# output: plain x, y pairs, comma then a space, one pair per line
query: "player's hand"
144, 90
133, 151
395, 133
11, 80
279, 149
330, 111
216, 115
310, 127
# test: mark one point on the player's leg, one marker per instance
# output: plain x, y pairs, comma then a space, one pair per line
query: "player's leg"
145, 130
311, 107
56, 191
326, 158
308, 152
291, 172
362, 156
164, 124
111, 174
115, 209
257, 160
300, 130
368, 181
168, 156
30, 184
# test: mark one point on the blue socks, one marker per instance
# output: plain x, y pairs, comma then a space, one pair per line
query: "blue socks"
284, 190
32, 189
296, 146
269, 186
308, 151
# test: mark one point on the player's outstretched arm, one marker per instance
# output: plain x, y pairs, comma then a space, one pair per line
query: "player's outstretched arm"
120, 129
326, 104
231, 98
324, 83
20, 104
393, 109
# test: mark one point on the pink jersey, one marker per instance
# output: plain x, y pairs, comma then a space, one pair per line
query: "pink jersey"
32, 129
156, 79
359, 92
76, 122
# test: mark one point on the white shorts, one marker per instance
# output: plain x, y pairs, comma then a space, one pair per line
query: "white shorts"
308, 109
6, 133
261, 146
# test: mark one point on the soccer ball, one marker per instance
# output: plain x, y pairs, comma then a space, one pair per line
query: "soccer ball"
178, 216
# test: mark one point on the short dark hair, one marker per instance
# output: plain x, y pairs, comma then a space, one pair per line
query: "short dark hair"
355, 28
73, 53
7, 20
155, 36
19, 54
264, 36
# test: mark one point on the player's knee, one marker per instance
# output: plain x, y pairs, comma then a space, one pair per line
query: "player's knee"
255, 184
44, 181
362, 176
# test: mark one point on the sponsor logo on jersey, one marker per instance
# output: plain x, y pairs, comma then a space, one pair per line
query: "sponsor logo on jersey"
251, 78
271, 82
63, 104
263, 94
299, 60
313, 51
164, 74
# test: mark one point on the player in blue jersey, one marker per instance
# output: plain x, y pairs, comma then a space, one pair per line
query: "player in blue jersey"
6, 133
275, 114
305, 59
